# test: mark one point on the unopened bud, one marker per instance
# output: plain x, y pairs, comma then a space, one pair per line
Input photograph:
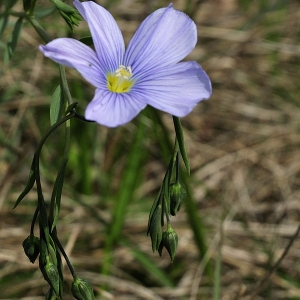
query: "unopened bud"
170, 241
177, 195
31, 247
82, 289
70, 14
50, 272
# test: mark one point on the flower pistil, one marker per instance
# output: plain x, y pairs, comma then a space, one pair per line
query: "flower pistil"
121, 81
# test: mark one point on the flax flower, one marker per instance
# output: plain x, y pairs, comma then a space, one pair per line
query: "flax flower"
148, 72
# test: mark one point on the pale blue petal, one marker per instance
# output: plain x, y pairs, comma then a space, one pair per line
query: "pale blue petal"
165, 37
106, 34
74, 54
176, 89
113, 109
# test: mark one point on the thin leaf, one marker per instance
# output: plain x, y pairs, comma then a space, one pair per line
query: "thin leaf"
3, 23
29, 185
218, 276
151, 267
57, 190
44, 12
180, 138
12, 44
9, 3
56, 106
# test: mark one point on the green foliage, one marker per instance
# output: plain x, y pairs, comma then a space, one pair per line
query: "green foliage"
57, 105
12, 43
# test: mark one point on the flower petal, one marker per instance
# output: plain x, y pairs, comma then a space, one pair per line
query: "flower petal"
106, 34
176, 89
165, 37
74, 54
113, 109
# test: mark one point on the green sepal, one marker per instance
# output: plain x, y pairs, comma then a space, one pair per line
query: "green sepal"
56, 105
82, 289
29, 184
12, 44
57, 191
31, 247
180, 139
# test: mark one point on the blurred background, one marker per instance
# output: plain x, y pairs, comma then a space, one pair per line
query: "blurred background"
243, 146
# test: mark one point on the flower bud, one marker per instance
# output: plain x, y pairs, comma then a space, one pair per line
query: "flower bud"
31, 247
155, 228
70, 14
51, 275
82, 289
177, 195
170, 241
49, 270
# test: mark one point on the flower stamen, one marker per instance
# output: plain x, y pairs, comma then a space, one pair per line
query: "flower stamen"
120, 81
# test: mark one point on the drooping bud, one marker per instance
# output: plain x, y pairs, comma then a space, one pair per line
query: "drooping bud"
51, 275
170, 241
70, 14
31, 247
48, 268
155, 229
177, 195
82, 289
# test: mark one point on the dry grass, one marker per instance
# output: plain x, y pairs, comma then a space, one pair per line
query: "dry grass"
244, 152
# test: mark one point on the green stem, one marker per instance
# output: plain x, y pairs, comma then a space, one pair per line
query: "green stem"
64, 84
177, 173
39, 29
34, 220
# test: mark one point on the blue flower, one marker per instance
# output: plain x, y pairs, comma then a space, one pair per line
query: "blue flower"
149, 72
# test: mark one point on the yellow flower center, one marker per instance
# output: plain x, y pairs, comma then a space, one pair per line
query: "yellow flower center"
120, 81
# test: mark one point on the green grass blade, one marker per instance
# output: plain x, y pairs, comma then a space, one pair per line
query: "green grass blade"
126, 191
29, 185
12, 44
217, 276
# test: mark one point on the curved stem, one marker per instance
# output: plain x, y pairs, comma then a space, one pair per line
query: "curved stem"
61, 249
34, 220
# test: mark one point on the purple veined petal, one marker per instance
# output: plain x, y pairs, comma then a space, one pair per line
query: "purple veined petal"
74, 54
165, 37
113, 109
176, 89
106, 34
